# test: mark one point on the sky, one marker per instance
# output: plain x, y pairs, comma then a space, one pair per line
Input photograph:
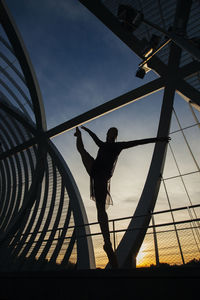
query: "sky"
80, 64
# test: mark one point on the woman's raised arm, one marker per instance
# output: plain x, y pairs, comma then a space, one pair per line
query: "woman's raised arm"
93, 135
126, 145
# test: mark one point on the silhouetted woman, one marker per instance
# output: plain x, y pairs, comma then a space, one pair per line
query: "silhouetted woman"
101, 170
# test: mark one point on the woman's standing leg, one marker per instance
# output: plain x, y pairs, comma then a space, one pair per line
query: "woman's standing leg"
100, 188
103, 222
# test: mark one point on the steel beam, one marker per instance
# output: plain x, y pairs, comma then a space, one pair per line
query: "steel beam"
190, 69
186, 45
109, 20
94, 113
131, 242
102, 13
189, 93
177, 35
116, 103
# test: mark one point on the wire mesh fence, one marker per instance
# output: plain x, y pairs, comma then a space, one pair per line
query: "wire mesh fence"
176, 242
172, 243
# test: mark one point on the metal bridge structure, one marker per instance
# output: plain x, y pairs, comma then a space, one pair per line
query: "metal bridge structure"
37, 188
165, 35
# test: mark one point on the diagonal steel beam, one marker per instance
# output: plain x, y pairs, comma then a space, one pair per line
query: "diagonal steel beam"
132, 96
189, 93
96, 112
189, 69
131, 243
178, 38
111, 21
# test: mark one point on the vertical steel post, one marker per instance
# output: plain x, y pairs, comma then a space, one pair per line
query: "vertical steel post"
155, 241
114, 239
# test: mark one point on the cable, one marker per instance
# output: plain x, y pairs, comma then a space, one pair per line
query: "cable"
187, 127
189, 148
194, 229
194, 115
184, 185
172, 215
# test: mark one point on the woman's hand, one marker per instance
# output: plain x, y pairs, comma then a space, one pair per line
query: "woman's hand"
84, 128
164, 139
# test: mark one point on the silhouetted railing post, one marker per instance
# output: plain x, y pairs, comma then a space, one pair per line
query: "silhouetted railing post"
114, 238
155, 241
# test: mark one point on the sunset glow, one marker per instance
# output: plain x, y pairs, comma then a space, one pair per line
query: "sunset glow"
90, 66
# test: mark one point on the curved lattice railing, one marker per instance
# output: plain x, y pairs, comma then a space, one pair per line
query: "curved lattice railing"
38, 194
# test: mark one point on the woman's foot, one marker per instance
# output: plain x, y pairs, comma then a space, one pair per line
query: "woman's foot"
111, 255
77, 132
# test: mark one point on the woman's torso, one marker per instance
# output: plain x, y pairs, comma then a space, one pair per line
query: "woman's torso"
105, 161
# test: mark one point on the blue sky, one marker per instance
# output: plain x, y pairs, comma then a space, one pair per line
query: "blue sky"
78, 61
79, 64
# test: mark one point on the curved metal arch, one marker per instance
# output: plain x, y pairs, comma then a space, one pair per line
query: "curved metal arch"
3, 186
16, 172
48, 219
25, 229
19, 170
11, 177
7, 107
17, 242
62, 237
28, 201
55, 221
25, 63
26, 219
4, 42
10, 64
16, 86
85, 250
36, 246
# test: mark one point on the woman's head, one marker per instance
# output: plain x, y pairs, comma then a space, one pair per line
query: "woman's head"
112, 134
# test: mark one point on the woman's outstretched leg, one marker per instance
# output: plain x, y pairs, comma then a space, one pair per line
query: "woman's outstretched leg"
79, 141
87, 159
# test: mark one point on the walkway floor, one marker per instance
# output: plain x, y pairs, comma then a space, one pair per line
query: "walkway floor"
167, 283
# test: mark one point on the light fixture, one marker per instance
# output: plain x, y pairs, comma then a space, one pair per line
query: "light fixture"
148, 54
140, 72
151, 45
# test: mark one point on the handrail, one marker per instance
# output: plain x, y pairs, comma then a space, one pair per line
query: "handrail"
127, 218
